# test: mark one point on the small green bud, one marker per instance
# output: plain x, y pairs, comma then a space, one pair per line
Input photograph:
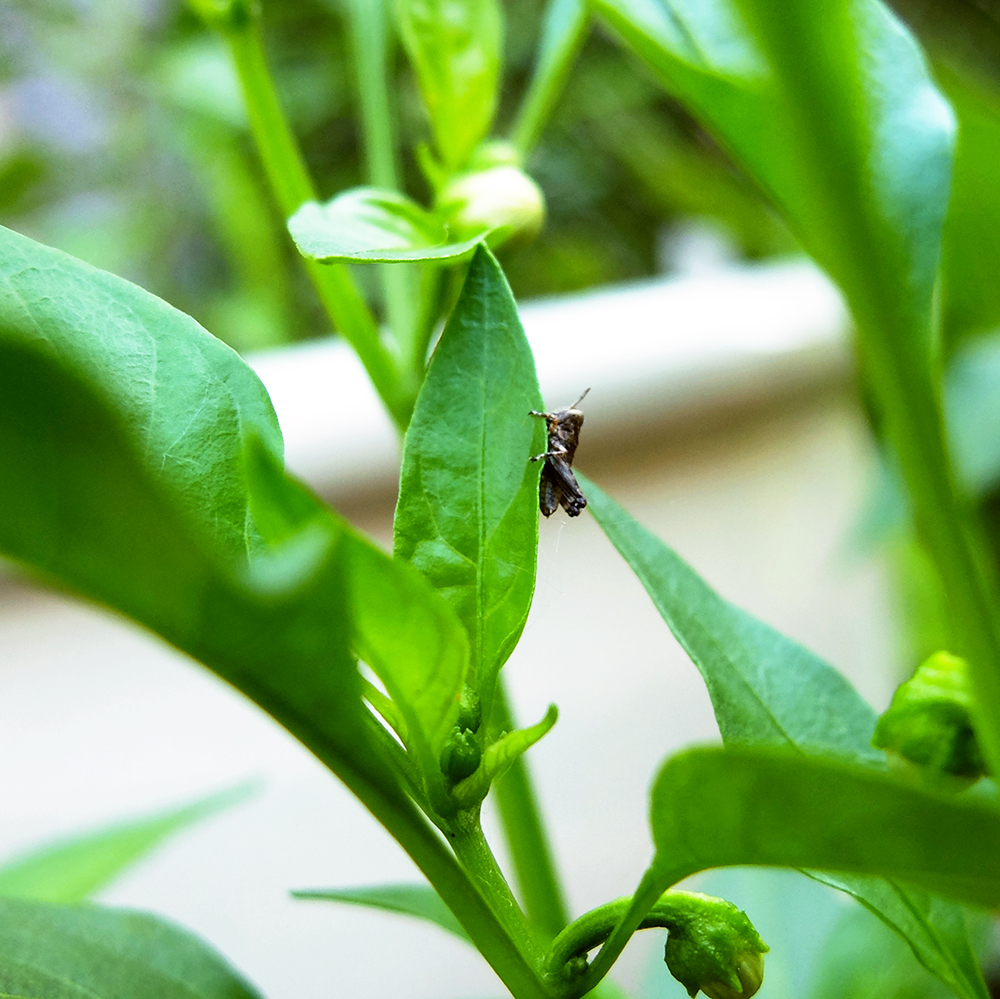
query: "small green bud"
715, 948
500, 198
929, 721
461, 754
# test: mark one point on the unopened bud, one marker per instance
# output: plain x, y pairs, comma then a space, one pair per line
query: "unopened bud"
501, 199
461, 755
716, 949
929, 721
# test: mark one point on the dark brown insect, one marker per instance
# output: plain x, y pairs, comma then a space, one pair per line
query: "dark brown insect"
558, 485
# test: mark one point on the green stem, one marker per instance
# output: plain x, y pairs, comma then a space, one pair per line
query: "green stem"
292, 187
562, 36
535, 871
629, 921
477, 859
370, 46
486, 929
945, 524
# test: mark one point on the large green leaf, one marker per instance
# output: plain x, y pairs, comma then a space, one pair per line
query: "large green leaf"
455, 48
125, 429
85, 952
467, 515
419, 901
761, 806
71, 870
368, 225
768, 690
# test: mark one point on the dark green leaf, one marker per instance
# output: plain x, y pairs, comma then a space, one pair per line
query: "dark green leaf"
419, 901
369, 225
73, 869
768, 690
467, 515
455, 48
775, 808
85, 952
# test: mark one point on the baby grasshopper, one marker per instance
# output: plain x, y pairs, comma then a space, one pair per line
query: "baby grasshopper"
558, 485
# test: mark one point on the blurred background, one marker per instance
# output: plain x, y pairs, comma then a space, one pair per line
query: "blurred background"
123, 141
726, 418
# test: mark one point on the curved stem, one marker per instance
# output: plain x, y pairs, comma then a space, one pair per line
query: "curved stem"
638, 906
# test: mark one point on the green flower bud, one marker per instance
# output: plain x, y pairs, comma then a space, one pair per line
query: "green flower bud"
499, 198
461, 754
929, 721
715, 948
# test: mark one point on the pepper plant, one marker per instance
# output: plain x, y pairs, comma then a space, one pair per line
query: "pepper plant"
141, 466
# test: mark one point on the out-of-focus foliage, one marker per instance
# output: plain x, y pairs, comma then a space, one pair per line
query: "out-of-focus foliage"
123, 141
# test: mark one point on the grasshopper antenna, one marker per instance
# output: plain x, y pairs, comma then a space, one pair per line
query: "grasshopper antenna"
582, 397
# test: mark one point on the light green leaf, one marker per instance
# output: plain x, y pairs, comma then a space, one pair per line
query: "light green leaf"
126, 430
467, 515
419, 901
768, 690
935, 929
369, 225
413, 640
73, 869
455, 48
86, 952
774, 808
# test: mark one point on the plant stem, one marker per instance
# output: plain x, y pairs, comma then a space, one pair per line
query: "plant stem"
562, 35
517, 969
370, 46
292, 187
642, 901
527, 841
910, 396
477, 859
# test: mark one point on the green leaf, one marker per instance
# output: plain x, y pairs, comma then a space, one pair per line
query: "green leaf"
126, 430
369, 225
73, 869
419, 901
936, 930
85, 952
467, 515
455, 48
768, 690
413, 640
767, 807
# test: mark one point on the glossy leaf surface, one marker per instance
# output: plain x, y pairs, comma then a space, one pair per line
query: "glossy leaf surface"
455, 48
418, 901
729, 807
369, 225
467, 516
768, 690
85, 952
71, 870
